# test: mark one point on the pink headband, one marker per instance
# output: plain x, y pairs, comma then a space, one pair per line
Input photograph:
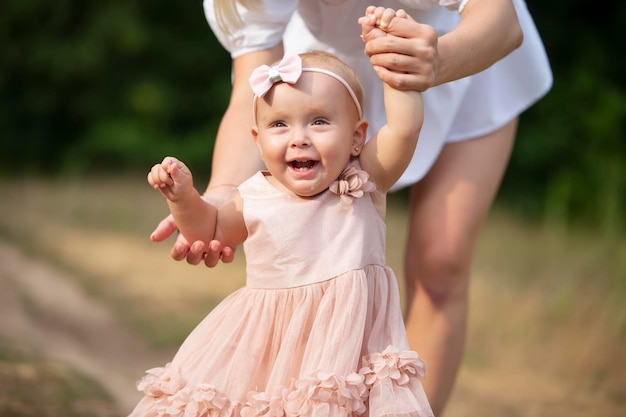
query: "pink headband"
289, 71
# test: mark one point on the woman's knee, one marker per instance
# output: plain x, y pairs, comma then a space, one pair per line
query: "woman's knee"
441, 271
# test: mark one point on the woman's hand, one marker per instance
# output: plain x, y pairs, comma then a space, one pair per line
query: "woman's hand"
402, 51
194, 253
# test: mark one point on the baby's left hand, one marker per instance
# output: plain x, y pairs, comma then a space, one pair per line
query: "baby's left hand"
377, 20
171, 177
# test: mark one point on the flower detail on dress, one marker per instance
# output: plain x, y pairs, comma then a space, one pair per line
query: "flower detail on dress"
328, 395
207, 401
394, 364
260, 404
173, 399
352, 183
161, 381
320, 395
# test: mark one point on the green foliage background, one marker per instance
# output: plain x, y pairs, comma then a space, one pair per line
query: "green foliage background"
88, 85
91, 85
569, 163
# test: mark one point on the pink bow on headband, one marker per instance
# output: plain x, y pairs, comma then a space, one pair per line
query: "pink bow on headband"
288, 70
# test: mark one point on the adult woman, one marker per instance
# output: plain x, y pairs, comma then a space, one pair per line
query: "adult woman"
474, 88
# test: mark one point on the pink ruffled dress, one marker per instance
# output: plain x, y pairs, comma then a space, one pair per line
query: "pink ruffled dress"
317, 330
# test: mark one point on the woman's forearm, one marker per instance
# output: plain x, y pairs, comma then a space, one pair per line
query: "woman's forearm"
235, 155
489, 31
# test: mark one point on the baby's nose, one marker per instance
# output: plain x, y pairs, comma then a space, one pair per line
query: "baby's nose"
300, 138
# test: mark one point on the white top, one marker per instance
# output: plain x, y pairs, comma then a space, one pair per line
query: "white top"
456, 111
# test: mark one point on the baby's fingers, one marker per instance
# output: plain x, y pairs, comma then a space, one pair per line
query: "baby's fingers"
382, 16
158, 177
402, 14
368, 29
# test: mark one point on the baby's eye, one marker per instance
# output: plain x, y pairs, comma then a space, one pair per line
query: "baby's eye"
278, 124
320, 122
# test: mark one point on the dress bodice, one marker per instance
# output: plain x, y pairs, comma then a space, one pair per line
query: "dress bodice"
294, 241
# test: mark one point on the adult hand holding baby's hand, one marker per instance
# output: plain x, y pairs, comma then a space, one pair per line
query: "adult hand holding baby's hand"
172, 178
195, 253
402, 51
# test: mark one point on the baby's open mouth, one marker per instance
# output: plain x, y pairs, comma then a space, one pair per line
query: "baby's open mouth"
302, 164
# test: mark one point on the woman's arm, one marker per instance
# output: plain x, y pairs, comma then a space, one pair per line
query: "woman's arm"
414, 58
235, 156
489, 30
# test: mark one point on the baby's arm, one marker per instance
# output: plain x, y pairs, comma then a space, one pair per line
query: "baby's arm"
388, 153
196, 219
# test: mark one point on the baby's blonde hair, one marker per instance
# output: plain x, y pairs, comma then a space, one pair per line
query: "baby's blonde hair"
328, 61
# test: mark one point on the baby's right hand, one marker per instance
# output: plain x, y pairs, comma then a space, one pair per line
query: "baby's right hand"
171, 177
402, 51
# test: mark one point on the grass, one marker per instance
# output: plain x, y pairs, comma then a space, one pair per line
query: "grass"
547, 330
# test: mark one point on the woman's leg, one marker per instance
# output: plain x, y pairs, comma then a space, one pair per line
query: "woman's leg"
447, 210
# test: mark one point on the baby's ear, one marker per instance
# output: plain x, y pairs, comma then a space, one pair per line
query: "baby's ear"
255, 136
358, 136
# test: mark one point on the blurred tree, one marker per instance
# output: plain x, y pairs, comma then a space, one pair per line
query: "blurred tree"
86, 85
569, 162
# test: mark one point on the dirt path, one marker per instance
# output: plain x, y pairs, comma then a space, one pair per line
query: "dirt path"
43, 312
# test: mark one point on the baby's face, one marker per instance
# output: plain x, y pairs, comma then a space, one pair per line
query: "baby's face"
306, 132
